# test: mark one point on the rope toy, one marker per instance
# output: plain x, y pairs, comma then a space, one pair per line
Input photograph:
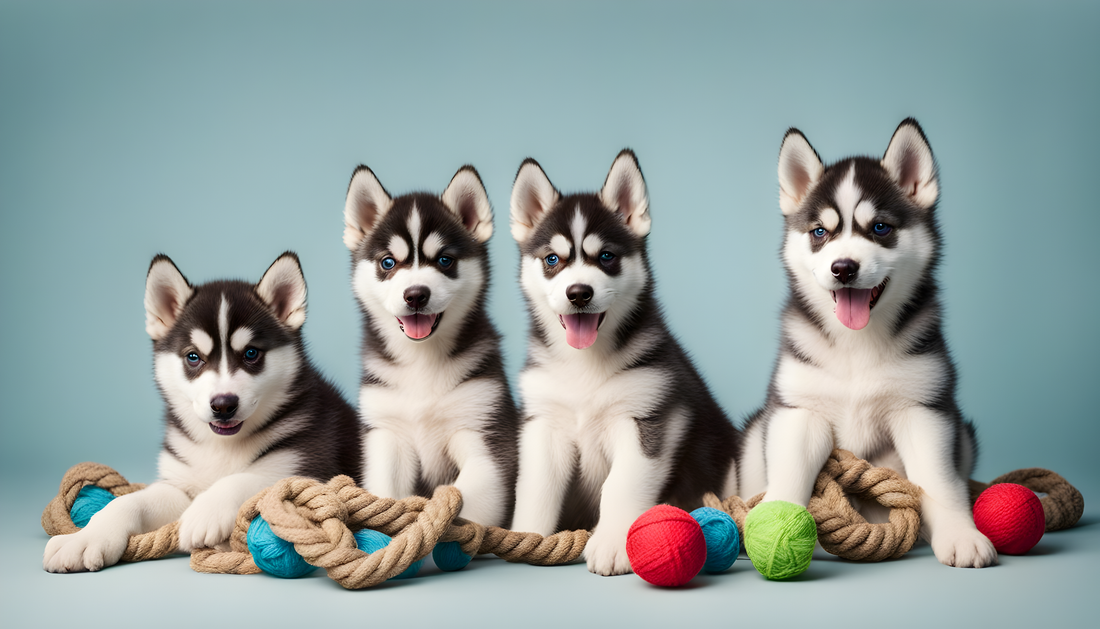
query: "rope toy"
319, 519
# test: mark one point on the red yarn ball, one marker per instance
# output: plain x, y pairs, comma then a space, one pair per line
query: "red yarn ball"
666, 546
1011, 516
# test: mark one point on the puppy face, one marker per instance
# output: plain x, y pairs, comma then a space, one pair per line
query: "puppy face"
860, 233
225, 353
418, 260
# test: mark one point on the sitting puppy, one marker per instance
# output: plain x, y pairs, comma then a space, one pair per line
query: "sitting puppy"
863, 364
244, 408
617, 418
435, 403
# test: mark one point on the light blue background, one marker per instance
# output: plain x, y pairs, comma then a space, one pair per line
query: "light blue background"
223, 133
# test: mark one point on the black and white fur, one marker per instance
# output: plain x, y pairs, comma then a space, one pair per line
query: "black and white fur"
434, 399
875, 377
244, 408
617, 419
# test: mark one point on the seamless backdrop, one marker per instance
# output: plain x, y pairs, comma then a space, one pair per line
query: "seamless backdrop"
223, 133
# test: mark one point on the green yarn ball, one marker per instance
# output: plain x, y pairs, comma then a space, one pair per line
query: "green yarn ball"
780, 538
88, 503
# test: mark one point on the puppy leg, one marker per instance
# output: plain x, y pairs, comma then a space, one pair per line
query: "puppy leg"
390, 464
797, 445
479, 479
211, 517
546, 459
102, 542
632, 486
925, 442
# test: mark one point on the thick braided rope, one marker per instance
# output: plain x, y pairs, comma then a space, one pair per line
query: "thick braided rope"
1063, 505
841, 530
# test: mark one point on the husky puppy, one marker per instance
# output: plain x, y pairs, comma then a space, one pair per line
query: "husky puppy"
434, 400
244, 408
863, 364
616, 417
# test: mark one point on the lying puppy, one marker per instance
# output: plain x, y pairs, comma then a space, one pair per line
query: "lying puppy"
244, 408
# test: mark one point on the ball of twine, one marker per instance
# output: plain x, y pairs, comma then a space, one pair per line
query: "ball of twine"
665, 546
1011, 516
722, 538
780, 538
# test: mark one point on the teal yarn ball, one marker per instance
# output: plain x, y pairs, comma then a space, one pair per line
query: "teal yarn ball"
273, 554
780, 538
449, 556
370, 541
722, 537
88, 503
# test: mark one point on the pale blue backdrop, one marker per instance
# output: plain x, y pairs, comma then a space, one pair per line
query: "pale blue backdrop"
223, 133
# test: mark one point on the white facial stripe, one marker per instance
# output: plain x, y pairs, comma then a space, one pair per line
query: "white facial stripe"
202, 341
577, 227
864, 213
414, 231
593, 244
399, 248
829, 219
847, 196
432, 244
560, 245
241, 338
223, 333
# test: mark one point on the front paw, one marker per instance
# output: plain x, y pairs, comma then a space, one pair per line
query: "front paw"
83, 551
605, 553
205, 524
963, 546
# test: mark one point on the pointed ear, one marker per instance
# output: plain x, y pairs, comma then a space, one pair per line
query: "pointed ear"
909, 161
166, 291
532, 197
465, 196
366, 203
283, 288
799, 169
624, 192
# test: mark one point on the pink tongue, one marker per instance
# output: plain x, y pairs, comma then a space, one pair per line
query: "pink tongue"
418, 326
580, 329
853, 307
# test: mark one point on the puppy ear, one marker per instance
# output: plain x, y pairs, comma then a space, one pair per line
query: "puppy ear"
166, 291
367, 202
624, 192
909, 161
283, 288
465, 196
532, 196
800, 168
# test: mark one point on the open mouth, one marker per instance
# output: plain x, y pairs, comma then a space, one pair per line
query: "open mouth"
581, 329
853, 305
228, 427
419, 326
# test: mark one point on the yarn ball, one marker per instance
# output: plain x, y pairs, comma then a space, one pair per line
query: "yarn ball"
1011, 516
780, 538
88, 503
369, 541
274, 555
722, 538
665, 546
449, 556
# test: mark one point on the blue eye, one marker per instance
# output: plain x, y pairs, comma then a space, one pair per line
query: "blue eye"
251, 354
445, 261
819, 232
551, 259
881, 229
388, 263
607, 256
193, 358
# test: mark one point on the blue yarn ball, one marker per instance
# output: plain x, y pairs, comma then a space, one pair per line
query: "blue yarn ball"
723, 538
449, 556
88, 503
275, 555
370, 541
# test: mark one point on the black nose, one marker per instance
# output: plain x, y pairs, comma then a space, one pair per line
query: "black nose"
845, 270
417, 296
579, 294
224, 406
